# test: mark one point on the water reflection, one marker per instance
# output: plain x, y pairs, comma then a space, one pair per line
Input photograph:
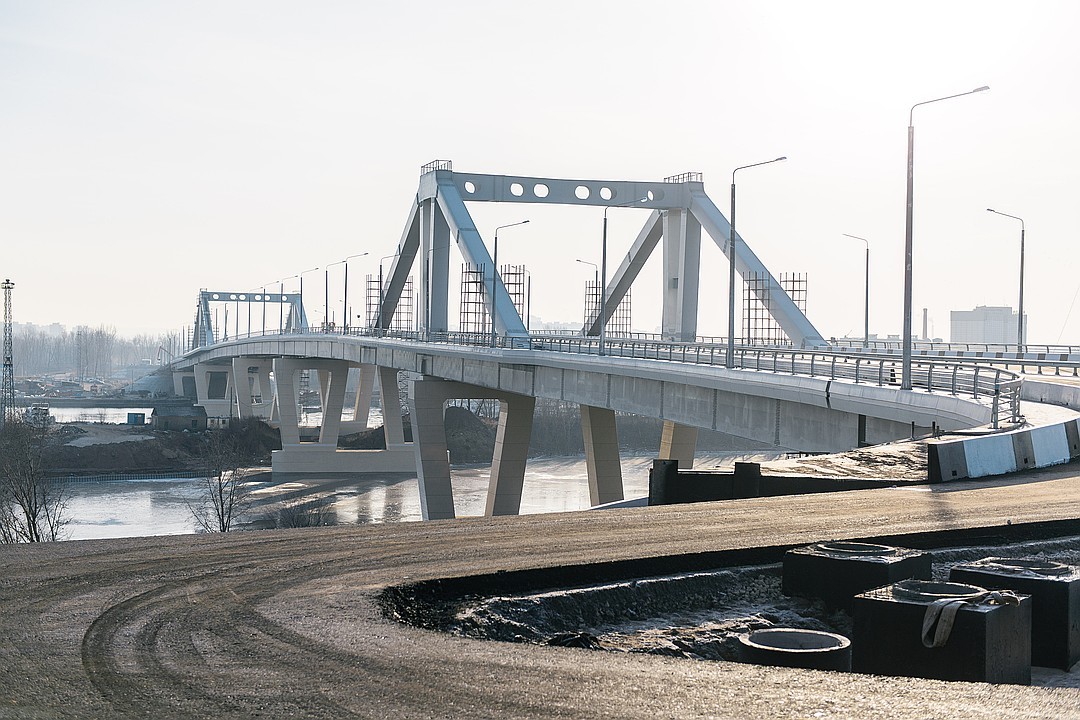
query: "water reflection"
162, 507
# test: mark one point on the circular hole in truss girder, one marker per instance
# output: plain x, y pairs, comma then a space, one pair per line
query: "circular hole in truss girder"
582, 192
470, 187
607, 193
540, 190
258, 297
232, 296
215, 296
243, 297
655, 195
517, 189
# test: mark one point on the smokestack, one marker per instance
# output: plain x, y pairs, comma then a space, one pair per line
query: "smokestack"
925, 334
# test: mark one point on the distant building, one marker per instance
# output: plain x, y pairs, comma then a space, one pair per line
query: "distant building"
179, 417
985, 324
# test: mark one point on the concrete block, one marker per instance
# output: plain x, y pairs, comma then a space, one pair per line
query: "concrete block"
1072, 435
987, 643
946, 461
836, 572
989, 455
1023, 451
1055, 592
1050, 445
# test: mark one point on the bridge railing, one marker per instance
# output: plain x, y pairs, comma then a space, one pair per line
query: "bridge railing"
998, 387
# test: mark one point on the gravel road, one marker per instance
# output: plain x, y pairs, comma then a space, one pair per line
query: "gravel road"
287, 623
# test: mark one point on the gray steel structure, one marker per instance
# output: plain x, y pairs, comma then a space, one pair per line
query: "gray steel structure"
680, 210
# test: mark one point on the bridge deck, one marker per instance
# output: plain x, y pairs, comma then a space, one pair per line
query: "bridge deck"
287, 622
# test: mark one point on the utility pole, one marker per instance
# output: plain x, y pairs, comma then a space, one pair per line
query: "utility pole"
7, 393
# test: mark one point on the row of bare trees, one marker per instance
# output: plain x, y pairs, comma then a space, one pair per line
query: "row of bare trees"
84, 351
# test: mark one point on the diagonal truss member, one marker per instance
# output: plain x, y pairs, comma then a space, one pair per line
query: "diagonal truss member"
680, 211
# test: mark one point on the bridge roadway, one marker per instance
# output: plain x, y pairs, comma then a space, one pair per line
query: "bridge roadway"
288, 623
796, 399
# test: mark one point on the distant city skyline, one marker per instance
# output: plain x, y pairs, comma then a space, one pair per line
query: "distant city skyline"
153, 149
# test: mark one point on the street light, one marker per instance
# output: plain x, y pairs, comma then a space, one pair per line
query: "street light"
1020, 310
281, 304
603, 272
866, 284
345, 301
729, 360
345, 296
494, 273
303, 315
596, 284
905, 378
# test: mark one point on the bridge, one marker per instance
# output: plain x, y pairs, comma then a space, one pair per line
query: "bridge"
805, 394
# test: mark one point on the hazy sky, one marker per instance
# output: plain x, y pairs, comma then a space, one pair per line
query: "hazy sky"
149, 149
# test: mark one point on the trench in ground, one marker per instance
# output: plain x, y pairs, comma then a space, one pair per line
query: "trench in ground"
698, 608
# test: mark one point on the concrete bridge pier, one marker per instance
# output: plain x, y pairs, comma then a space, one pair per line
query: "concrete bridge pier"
678, 442
247, 383
365, 387
214, 392
184, 384
427, 401
511, 454
601, 454
322, 455
393, 427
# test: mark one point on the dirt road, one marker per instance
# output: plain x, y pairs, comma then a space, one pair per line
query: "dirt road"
286, 623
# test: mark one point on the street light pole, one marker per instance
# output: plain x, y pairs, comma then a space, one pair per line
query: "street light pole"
1020, 309
346, 309
345, 297
603, 272
866, 285
729, 359
905, 377
494, 274
303, 313
596, 285
281, 305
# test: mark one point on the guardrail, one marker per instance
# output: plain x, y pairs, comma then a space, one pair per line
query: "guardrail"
998, 387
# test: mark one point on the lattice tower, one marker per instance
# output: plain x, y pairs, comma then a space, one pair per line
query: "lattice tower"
7, 392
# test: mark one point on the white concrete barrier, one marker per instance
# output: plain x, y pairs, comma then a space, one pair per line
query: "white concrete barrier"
1002, 453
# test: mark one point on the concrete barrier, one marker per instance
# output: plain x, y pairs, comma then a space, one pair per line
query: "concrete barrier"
1002, 453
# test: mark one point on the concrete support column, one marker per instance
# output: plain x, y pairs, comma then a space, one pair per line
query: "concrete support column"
682, 267
265, 405
285, 370
242, 385
391, 407
678, 442
602, 454
333, 376
429, 443
511, 453
211, 393
180, 387
365, 386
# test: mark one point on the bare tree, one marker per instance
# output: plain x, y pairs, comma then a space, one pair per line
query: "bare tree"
32, 505
225, 494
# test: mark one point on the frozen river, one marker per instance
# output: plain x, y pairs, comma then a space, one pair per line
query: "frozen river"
161, 507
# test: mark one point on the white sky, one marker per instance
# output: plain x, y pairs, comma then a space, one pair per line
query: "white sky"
149, 149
